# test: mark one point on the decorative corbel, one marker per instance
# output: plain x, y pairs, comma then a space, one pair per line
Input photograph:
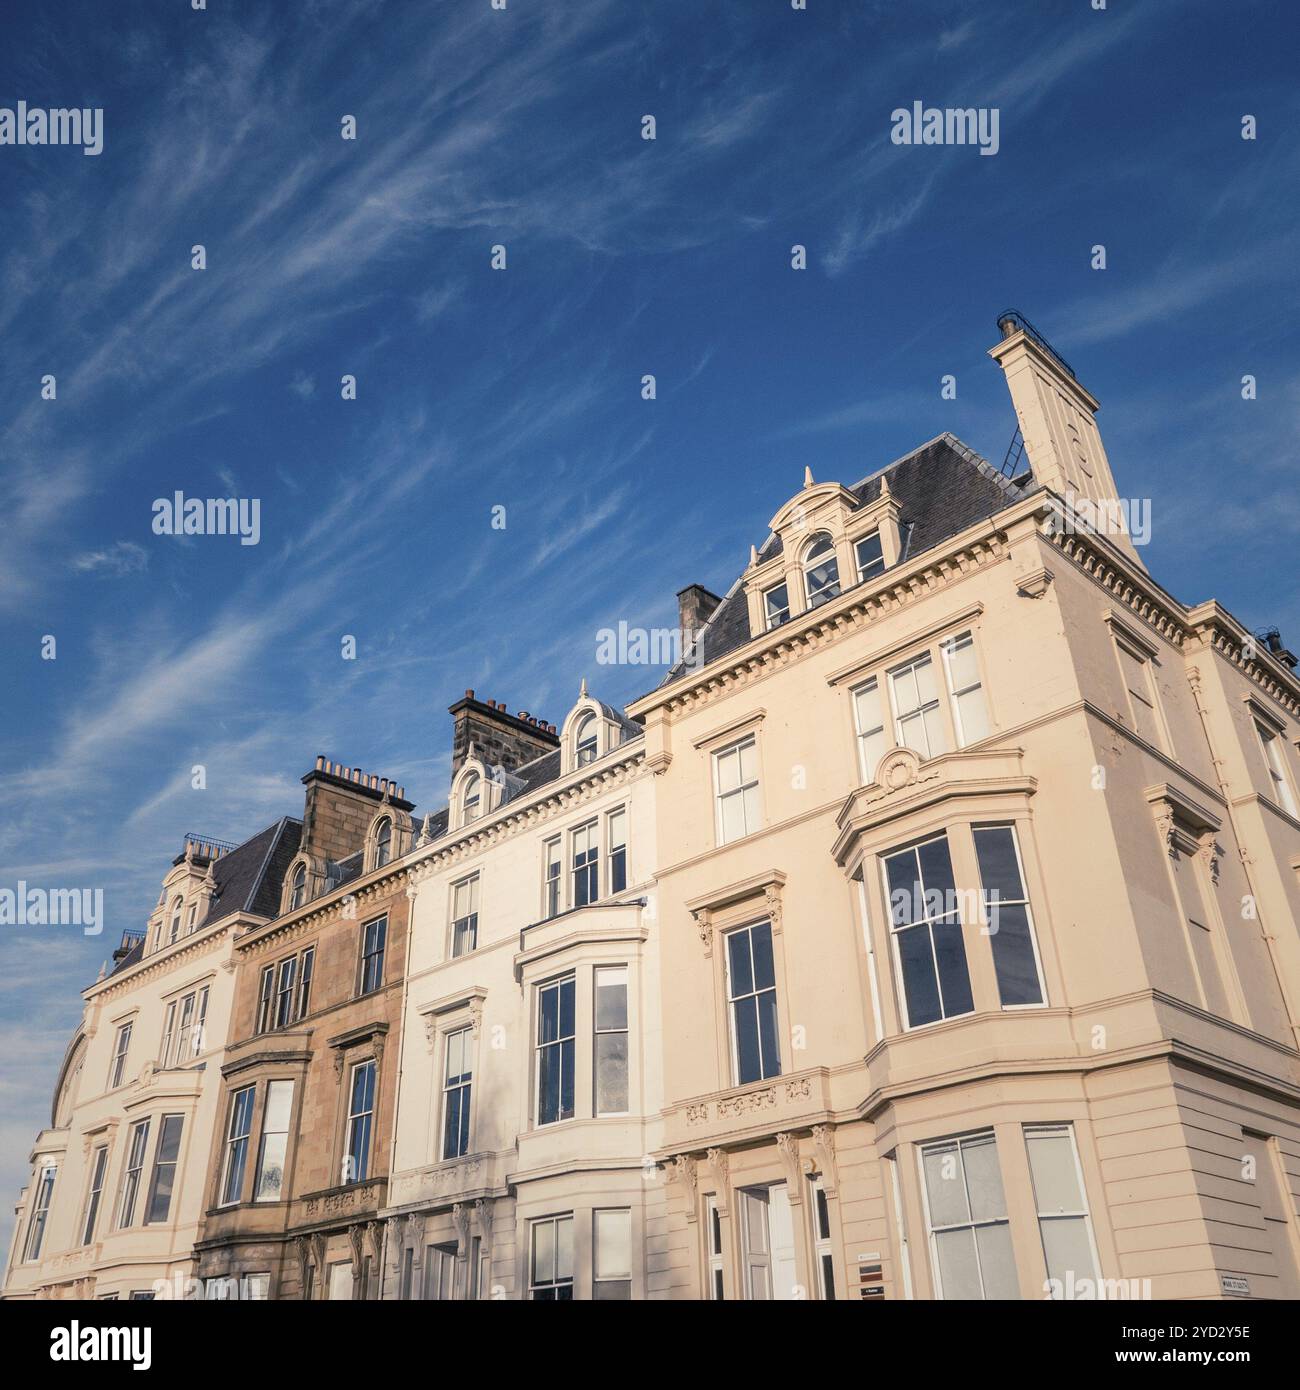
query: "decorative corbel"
824, 1144
338, 1064
356, 1239
718, 1169
460, 1219
475, 1015
375, 1240
704, 925
431, 1032
788, 1146
683, 1171
318, 1259
772, 896
413, 1224
1211, 853
483, 1215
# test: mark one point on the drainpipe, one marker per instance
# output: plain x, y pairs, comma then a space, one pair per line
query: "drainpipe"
1194, 680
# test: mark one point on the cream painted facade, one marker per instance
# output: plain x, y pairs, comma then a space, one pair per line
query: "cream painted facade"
933, 934
565, 1171
1113, 1092
134, 1110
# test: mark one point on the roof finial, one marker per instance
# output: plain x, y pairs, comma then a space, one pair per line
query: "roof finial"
884, 485
807, 476
753, 554
582, 694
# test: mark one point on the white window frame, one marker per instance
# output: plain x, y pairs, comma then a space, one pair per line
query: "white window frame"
616, 848
755, 994
463, 1087
590, 867
261, 1168
1270, 742
713, 1250
601, 1276
555, 1222
861, 735
360, 1172
552, 883
94, 1192
368, 955
586, 747
972, 1224
133, 1166
465, 926
40, 1216
922, 709
823, 1244
833, 588
975, 828
857, 555
159, 1163
557, 983
750, 809
947, 649
774, 617
1031, 1131
598, 1032
121, 1050
236, 1144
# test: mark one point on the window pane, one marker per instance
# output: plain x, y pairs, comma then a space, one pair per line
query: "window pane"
995, 847
972, 716
958, 1268
962, 666
761, 941
742, 977
920, 985
729, 770
748, 1059
944, 1186
611, 999
1067, 1249
950, 956
1013, 956
1056, 1180
983, 1178
611, 1073
613, 1242
767, 1033
564, 1248
936, 868
997, 1263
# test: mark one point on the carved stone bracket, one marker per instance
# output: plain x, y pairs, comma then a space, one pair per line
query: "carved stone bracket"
772, 897
375, 1239
683, 1171
356, 1239
788, 1146
1212, 853
704, 925
483, 1215
460, 1219
719, 1170
824, 1144
302, 1249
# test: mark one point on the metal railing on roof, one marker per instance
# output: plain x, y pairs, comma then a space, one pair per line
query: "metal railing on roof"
208, 843
1016, 318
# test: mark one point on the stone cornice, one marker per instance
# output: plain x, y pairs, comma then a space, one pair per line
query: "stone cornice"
513, 820
165, 960
1224, 635
833, 622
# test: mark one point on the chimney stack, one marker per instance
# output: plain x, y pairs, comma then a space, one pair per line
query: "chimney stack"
695, 605
499, 738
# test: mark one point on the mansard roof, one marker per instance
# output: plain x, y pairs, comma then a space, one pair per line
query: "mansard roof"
942, 487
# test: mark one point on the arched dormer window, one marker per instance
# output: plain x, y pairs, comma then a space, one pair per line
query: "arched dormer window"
383, 843
174, 928
821, 570
298, 888
586, 740
471, 799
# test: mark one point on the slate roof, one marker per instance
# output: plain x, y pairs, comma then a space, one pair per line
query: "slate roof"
248, 879
942, 487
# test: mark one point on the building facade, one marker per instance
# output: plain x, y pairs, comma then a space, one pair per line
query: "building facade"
116, 1198
929, 932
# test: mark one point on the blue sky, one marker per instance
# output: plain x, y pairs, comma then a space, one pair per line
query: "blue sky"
521, 387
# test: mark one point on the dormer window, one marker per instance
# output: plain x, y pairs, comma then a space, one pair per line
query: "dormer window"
871, 556
586, 742
174, 930
383, 843
821, 570
472, 798
776, 605
298, 893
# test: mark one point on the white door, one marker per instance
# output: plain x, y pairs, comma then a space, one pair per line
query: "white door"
783, 1271
767, 1232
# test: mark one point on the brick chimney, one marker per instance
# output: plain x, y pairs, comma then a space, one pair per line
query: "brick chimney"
500, 739
340, 804
695, 605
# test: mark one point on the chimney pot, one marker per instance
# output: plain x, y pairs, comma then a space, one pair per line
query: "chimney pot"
469, 694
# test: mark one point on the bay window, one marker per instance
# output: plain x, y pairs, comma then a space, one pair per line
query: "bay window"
966, 1215
925, 925
555, 1050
